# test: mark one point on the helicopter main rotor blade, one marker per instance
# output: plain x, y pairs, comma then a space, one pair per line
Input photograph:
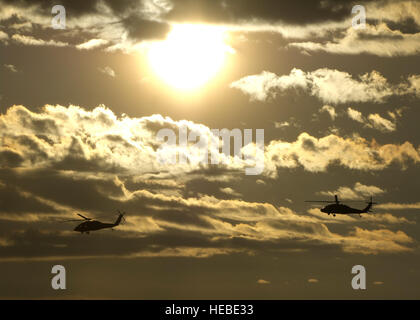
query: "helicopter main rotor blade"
83, 217
325, 201
321, 201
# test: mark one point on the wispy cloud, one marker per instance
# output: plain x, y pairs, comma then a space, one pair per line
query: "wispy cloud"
359, 191
108, 71
316, 154
328, 85
374, 120
330, 110
31, 41
11, 68
379, 40
92, 44
262, 281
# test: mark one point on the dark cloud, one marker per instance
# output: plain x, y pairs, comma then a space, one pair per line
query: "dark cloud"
309, 145
73, 7
104, 196
13, 19
13, 201
122, 6
379, 37
80, 194
36, 243
218, 11
293, 12
138, 28
76, 160
10, 159
408, 26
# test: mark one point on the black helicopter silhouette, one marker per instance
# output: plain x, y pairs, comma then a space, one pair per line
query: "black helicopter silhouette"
335, 207
90, 224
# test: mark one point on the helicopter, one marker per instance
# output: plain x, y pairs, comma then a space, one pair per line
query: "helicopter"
90, 224
335, 207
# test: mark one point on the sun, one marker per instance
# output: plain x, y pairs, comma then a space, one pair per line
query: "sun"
190, 56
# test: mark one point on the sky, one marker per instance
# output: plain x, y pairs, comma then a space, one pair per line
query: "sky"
85, 103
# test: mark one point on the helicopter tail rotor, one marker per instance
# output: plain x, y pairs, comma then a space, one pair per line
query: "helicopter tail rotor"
120, 219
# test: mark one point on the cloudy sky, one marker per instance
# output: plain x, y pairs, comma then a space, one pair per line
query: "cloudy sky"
81, 109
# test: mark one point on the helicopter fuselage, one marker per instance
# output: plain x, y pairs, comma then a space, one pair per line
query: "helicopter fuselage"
341, 209
93, 226
337, 208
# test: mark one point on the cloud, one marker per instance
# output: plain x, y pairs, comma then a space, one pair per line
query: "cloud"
339, 87
92, 44
100, 22
230, 192
399, 206
378, 40
206, 11
16, 202
374, 120
139, 28
270, 11
328, 85
74, 139
31, 41
376, 239
316, 154
359, 191
123, 23
127, 23
3, 36
65, 159
11, 68
264, 86
381, 124
396, 11
108, 71
330, 110
370, 190
355, 115
160, 225
160, 237
376, 218
415, 84
283, 124
262, 281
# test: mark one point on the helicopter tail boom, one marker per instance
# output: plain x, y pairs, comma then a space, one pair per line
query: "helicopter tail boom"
120, 217
369, 206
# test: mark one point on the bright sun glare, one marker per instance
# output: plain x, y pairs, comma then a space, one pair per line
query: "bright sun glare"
190, 56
